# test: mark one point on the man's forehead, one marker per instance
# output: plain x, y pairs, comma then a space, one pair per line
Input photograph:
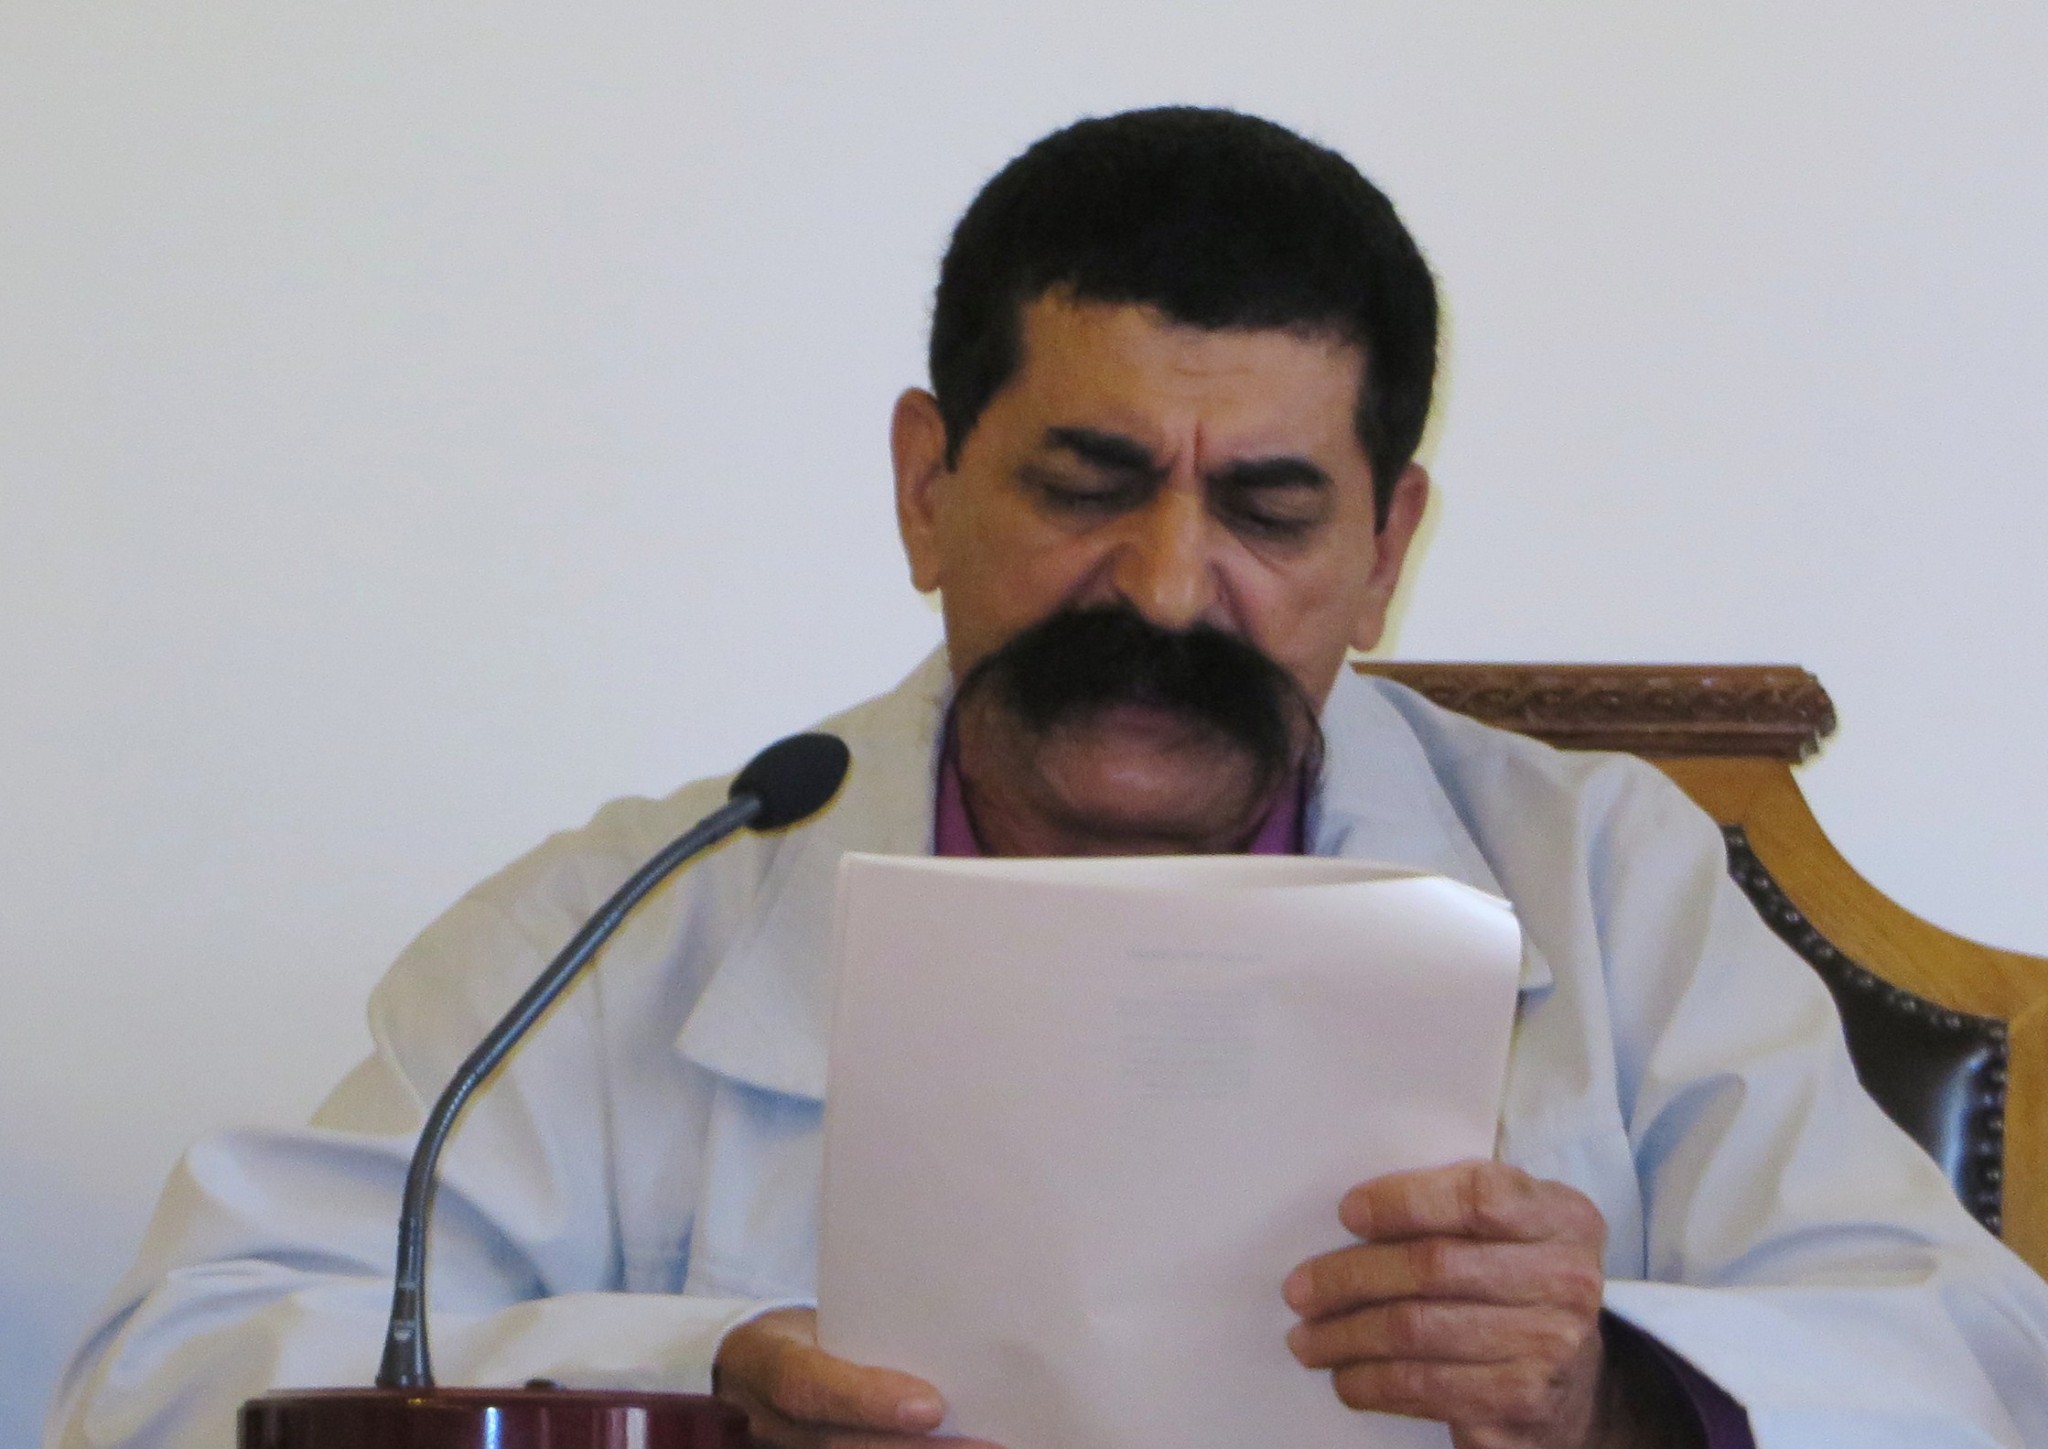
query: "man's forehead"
1097, 372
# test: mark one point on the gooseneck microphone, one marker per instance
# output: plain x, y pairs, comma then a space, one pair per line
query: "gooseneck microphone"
787, 782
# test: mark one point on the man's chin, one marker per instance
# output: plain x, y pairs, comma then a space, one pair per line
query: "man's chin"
1142, 780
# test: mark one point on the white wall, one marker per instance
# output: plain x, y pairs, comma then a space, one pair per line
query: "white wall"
419, 423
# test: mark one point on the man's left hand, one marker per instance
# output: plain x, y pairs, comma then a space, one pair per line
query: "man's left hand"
1474, 1298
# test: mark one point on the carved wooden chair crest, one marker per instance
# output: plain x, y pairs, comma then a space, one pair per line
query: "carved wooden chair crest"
1950, 1037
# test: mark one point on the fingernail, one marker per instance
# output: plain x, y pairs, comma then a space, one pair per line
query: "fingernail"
920, 1413
1295, 1289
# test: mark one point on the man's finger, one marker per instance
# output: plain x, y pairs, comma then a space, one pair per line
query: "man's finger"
1488, 1200
1424, 1331
809, 1384
770, 1431
1459, 1269
774, 1364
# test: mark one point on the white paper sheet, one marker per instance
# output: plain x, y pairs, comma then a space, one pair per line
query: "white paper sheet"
1085, 1115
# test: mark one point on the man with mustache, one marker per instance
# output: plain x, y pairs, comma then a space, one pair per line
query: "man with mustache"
1162, 483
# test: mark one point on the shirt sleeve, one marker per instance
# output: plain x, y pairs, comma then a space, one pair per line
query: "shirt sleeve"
560, 1225
1718, 1422
268, 1265
1800, 1253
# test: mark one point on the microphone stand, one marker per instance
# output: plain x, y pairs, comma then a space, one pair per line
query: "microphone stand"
786, 783
406, 1360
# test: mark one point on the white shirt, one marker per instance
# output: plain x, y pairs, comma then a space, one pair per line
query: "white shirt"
644, 1174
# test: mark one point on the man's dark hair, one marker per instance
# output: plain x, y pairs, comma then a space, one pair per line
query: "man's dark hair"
1219, 220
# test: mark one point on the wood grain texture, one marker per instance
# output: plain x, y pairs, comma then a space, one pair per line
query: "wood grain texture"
1766, 711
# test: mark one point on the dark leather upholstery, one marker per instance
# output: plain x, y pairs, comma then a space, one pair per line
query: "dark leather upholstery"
1940, 1074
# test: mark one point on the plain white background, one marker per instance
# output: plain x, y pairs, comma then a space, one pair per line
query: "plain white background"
421, 423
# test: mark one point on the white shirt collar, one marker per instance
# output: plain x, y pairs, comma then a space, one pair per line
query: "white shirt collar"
764, 1018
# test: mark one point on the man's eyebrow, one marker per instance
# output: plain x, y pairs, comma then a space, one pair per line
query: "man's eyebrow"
1105, 450
1283, 472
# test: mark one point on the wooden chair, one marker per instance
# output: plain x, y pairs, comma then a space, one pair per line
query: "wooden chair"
1950, 1037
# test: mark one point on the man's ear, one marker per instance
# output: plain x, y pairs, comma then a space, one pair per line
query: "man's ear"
1390, 554
917, 446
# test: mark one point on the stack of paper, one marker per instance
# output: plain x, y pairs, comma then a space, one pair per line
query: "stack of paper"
1086, 1115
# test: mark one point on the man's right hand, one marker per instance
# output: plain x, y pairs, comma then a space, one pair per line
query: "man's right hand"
797, 1396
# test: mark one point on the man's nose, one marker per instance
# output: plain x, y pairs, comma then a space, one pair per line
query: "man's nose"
1164, 568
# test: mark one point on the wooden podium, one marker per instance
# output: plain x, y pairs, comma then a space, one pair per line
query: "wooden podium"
529, 1418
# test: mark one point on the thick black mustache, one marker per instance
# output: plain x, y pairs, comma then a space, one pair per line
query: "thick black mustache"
1076, 662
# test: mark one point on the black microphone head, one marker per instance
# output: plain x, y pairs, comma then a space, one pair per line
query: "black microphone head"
793, 778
